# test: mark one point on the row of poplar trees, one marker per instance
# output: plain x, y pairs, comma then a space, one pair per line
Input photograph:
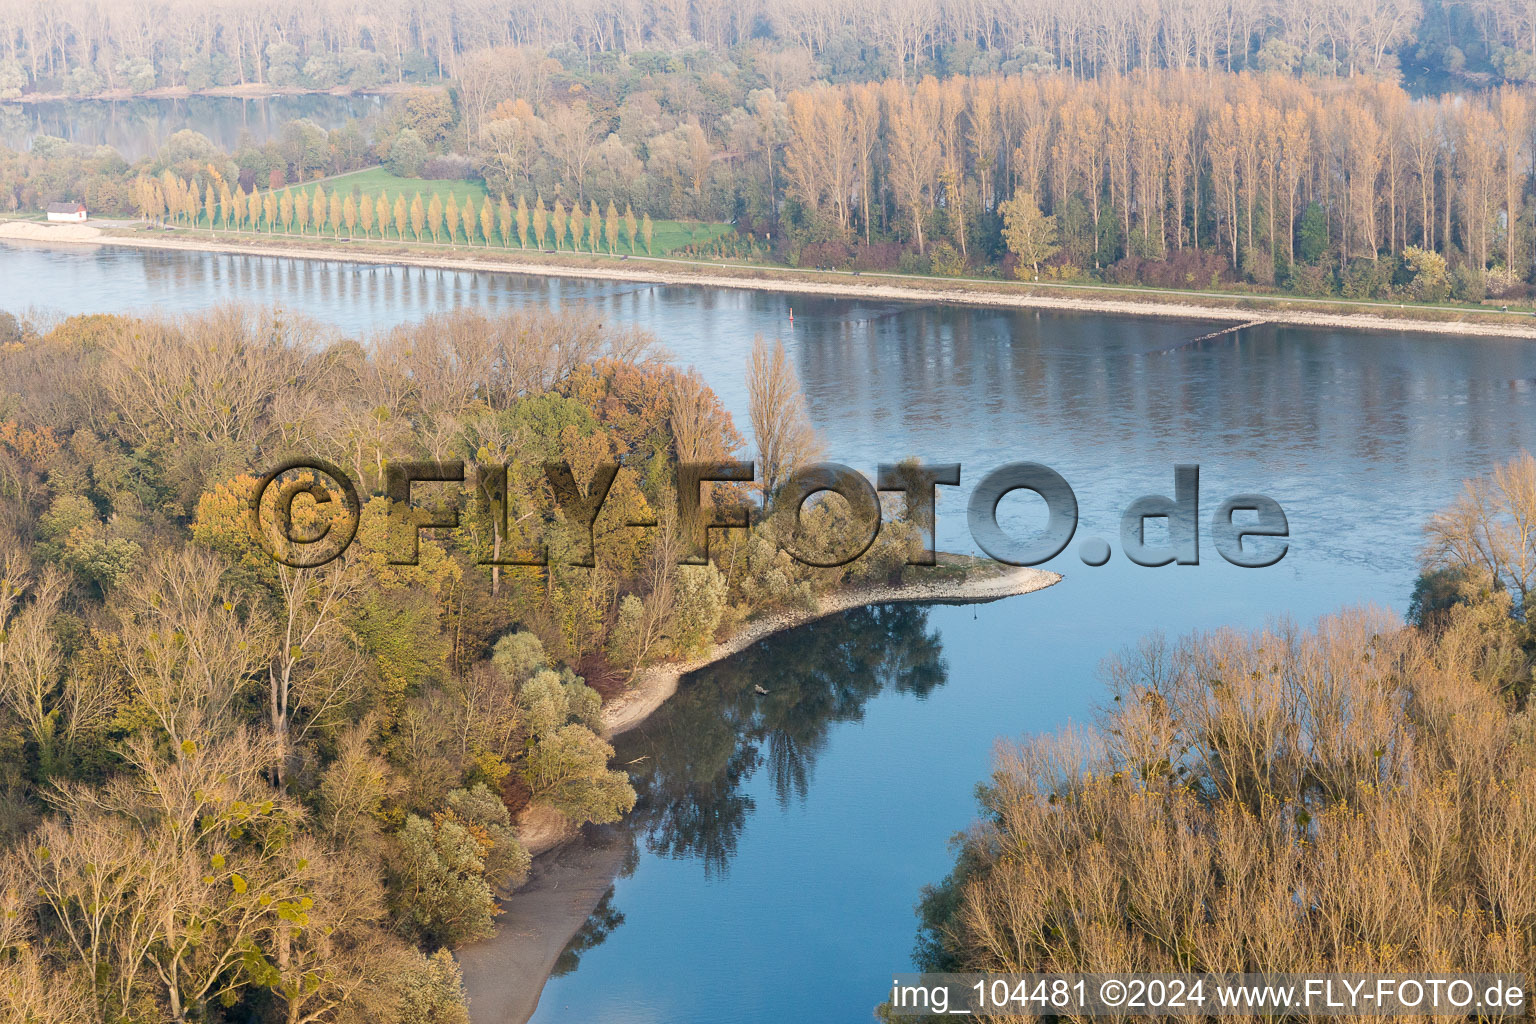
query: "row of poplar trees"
213, 204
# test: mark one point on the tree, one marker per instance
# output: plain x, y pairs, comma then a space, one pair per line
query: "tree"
1430, 283
785, 438
1029, 234
572, 134
1492, 530
418, 216
439, 874
407, 154
568, 769
319, 209
559, 220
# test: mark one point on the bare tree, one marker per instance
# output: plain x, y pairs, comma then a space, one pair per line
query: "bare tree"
780, 423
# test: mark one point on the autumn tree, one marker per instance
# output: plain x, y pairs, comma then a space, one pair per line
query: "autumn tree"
1030, 235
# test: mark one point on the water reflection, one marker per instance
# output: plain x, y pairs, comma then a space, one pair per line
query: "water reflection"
137, 127
692, 761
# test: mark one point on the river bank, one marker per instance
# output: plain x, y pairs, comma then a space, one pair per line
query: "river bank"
1057, 296
504, 975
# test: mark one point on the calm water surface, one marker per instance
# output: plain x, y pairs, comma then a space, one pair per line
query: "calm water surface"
783, 840
137, 127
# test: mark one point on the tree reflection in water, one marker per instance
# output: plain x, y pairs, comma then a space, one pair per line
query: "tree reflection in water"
691, 760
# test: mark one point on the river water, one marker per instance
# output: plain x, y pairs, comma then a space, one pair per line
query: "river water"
783, 840
137, 127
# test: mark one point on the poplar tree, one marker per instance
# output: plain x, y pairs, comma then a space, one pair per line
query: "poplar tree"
522, 221
611, 226
451, 213
418, 216
435, 216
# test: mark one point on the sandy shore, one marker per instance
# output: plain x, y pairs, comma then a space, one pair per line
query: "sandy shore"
505, 974
42, 231
654, 685
1052, 296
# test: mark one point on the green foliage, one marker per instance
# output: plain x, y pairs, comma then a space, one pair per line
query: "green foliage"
518, 656
432, 992
1030, 235
569, 770
1312, 233
945, 260
1431, 282
407, 154
443, 896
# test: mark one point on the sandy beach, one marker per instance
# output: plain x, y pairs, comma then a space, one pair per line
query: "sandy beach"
1060, 296
505, 974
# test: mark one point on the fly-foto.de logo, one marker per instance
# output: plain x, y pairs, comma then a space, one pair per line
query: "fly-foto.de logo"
1248, 530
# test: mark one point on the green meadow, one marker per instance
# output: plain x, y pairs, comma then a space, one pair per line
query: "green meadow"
667, 235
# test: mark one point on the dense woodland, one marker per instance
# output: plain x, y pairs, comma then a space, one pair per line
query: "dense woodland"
1359, 796
87, 46
231, 790
1178, 179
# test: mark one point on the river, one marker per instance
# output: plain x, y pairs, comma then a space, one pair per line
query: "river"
782, 841
137, 127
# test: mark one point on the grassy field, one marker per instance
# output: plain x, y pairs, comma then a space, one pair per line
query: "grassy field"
669, 235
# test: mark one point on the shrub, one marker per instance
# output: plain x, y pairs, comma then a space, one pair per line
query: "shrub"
451, 167
877, 256
828, 255
1311, 279
1318, 797
1468, 284
1367, 279
945, 260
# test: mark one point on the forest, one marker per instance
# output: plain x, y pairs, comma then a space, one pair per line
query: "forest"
86, 47
1355, 796
1173, 179
232, 789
